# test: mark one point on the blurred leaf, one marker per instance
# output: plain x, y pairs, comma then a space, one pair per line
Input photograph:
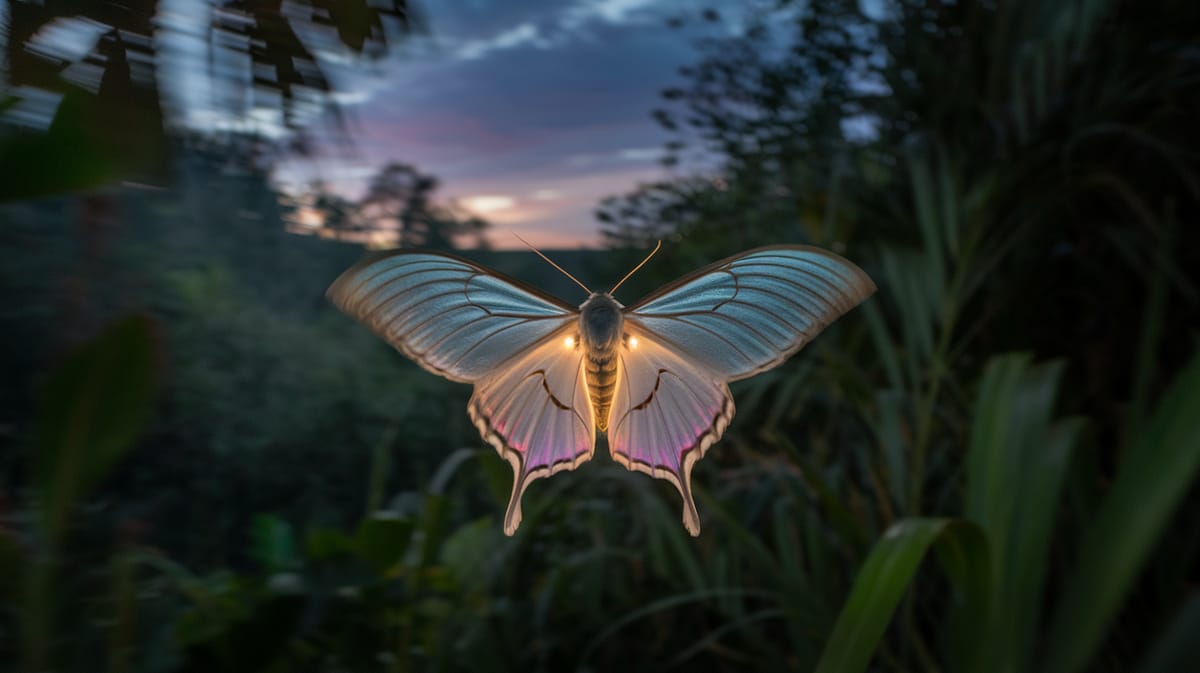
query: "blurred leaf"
325, 543
1016, 462
101, 134
498, 475
1152, 479
432, 526
382, 539
886, 575
448, 467
14, 563
122, 643
468, 552
271, 543
377, 475
1178, 649
92, 408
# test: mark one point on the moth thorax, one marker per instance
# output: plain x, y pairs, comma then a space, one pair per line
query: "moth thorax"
600, 322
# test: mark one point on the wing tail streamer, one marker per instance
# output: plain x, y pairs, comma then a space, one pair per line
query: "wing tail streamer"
666, 414
536, 413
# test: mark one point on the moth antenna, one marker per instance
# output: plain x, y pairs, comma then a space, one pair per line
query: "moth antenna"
551, 263
640, 265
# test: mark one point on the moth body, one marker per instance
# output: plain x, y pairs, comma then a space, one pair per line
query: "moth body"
600, 322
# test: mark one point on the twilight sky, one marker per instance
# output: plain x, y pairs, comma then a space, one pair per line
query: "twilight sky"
529, 111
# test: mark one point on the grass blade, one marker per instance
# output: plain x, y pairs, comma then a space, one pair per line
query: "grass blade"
1016, 463
1153, 478
887, 574
1178, 649
93, 408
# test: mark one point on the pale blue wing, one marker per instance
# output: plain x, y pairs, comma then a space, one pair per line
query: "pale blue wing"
470, 324
453, 317
748, 313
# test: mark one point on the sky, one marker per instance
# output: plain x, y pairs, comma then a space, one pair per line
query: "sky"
528, 111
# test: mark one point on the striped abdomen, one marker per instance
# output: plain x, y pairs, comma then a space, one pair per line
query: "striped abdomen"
601, 369
600, 321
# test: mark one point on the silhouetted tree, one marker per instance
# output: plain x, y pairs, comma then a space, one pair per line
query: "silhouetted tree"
399, 208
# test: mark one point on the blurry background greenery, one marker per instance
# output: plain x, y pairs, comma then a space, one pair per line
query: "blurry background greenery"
205, 467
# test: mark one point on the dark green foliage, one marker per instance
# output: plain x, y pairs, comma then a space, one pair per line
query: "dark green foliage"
93, 408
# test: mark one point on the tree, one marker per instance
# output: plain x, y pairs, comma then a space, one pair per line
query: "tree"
399, 209
109, 124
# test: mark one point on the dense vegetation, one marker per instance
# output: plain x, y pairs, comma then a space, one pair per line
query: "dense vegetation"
220, 472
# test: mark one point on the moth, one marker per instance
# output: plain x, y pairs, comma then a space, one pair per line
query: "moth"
652, 376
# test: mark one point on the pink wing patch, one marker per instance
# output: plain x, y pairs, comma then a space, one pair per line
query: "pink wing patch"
536, 412
666, 413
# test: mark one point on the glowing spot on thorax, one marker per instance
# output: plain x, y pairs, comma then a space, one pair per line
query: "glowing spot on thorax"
633, 342
569, 342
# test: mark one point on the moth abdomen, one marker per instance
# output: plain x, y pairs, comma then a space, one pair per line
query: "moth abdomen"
601, 370
600, 326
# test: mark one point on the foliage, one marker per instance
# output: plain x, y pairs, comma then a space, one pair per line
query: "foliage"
111, 123
93, 408
1004, 194
1021, 401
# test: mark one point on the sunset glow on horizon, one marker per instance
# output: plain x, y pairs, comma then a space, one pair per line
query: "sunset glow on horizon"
527, 113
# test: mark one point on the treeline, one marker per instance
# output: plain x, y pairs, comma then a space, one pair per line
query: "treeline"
398, 209
265, 388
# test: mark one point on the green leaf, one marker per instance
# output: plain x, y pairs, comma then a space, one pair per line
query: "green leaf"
886, 575
1178, 649
326, 543
382, 540
469, 552
271, 543
433, 526
93, 407
1016, 462
1154, 476
498, 476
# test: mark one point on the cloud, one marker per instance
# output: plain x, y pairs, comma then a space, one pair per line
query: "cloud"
485, 204
611, 11
518, 36
589, 159
351, 97
567, 219
557, 28
640, 153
